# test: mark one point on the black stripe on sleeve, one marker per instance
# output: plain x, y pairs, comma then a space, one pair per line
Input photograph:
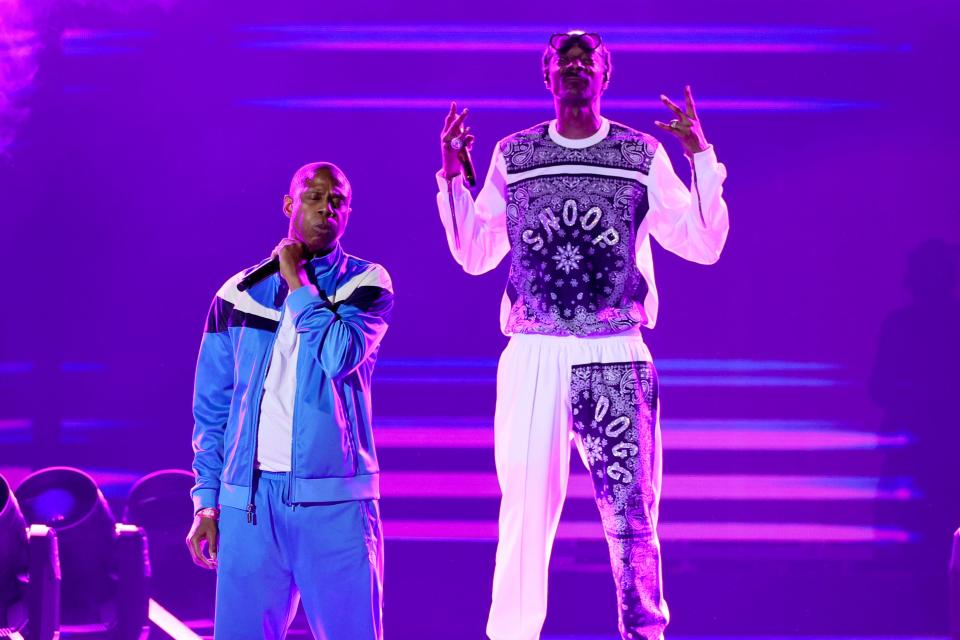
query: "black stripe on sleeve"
224, 315
369, 299
217, 317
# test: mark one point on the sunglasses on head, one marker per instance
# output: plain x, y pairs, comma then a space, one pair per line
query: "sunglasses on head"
563, 42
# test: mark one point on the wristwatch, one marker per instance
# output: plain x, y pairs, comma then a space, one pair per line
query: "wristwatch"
209, 512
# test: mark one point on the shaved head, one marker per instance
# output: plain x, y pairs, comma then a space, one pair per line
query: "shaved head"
308, 172
318, 206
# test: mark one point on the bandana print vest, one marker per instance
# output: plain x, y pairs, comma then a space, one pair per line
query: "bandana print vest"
572, 218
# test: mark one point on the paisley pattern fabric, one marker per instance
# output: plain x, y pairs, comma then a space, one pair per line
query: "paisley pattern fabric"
572, 220
615, 423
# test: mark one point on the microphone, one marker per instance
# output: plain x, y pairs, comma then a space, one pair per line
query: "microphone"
265, 270
465, 162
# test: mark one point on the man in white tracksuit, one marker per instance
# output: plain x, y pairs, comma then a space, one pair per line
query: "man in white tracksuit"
577, 199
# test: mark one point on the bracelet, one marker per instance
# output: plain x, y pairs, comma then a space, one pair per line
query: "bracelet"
209, 512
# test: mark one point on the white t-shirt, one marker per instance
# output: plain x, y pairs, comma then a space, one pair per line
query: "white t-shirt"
275, 438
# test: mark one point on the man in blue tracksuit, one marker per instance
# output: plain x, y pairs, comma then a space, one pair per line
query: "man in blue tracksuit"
287, 476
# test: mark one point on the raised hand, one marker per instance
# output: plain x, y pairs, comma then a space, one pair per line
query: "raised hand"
686, 126
453, 129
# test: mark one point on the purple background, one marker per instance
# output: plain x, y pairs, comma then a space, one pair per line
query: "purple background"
155, 144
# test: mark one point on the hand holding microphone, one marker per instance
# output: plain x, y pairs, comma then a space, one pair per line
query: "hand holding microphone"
292, 256
455, 144
289, 258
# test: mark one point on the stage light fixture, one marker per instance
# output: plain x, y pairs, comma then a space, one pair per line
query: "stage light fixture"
160, 503
29, 574
104, 566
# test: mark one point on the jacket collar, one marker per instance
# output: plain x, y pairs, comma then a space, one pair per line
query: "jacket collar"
321, 267
323, 264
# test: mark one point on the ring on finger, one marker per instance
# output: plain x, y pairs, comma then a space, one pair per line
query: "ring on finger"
674, 124
456, 143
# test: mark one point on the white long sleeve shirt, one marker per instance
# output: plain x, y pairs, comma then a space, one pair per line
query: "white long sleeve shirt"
578, 215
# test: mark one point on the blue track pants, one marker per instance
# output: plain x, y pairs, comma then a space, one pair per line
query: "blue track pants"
328, 554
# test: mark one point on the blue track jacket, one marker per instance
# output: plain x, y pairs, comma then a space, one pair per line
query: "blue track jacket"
341, 320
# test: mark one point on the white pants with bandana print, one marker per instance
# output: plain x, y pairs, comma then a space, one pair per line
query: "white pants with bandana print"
603, 394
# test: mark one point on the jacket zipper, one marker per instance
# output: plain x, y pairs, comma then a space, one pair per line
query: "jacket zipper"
293, 434
251, 507
292, 477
